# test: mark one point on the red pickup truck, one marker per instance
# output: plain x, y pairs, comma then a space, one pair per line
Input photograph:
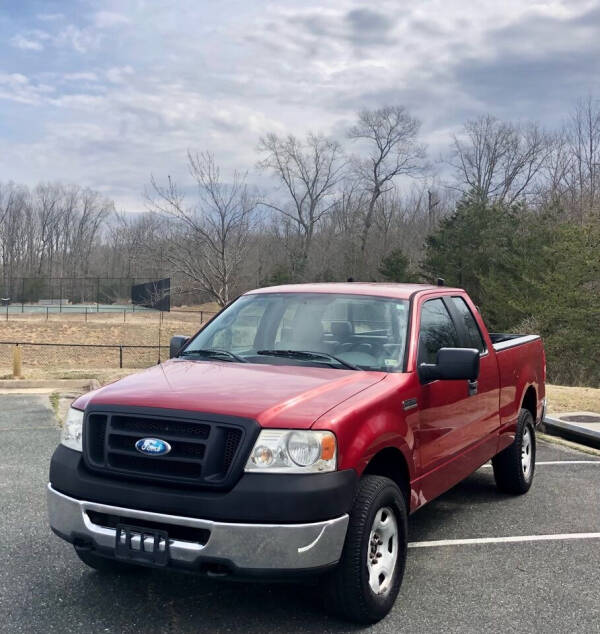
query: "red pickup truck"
293, 435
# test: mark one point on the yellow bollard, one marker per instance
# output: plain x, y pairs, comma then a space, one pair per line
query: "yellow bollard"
16, 362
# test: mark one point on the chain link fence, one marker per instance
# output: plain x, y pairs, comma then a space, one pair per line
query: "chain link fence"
97, 312
52, 344
43, 357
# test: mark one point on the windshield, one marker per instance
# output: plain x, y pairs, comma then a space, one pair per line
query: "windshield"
343, 331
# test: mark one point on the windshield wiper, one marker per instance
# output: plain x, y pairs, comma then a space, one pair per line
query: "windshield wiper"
307, 354
215, 352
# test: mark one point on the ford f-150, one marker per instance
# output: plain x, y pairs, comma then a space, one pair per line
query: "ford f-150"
294, 434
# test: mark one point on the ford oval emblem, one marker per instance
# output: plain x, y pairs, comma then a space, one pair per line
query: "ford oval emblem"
152, 446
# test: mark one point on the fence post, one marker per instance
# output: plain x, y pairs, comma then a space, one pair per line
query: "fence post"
86, 313
124, 311
201, 317
120, 356
6, 311
16, 362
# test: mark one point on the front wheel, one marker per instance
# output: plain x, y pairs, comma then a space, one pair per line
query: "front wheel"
514, 466
364, 586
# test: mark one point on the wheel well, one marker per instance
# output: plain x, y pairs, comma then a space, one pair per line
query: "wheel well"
530, 402
390, 463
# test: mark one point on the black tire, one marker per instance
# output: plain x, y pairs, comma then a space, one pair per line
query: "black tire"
509, 470
347, 588
104, 564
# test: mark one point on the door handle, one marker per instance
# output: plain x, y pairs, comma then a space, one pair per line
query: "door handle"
473, 385
409, 403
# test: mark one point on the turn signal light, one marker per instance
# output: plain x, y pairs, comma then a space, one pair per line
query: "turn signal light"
327, 447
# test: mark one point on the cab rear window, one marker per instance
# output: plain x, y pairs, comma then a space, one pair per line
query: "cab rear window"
472, 332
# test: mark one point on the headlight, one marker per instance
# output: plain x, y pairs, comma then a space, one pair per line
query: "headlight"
70, 435
293, 451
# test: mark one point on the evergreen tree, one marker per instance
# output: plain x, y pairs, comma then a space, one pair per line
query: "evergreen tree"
481, 248
394, 267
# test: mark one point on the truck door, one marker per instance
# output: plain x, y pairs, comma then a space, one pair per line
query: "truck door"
455, 416
485, 396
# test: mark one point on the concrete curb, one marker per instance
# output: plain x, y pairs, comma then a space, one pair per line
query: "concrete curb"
58, 384
563, 442
572, 431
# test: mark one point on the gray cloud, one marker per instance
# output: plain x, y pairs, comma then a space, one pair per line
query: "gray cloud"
550, 31
530, 88
368, 26
123, 91
538, 66
358, 27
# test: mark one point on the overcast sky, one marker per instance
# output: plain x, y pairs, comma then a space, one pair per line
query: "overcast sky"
105, 93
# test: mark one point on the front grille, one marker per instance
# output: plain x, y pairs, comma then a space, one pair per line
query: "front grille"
204, 452
232, 441
150, 426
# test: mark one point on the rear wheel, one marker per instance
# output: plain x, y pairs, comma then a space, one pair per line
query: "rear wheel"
364, 586
104, 564
514, 466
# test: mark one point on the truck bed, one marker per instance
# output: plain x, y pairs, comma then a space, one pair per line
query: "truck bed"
503, 340
520, 365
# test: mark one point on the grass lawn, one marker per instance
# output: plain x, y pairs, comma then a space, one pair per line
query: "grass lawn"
133, 329
572, 399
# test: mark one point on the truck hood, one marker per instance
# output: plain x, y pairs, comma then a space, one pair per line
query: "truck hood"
274, 395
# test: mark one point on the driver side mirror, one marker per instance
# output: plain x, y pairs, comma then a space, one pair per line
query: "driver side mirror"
453, 364
177, 342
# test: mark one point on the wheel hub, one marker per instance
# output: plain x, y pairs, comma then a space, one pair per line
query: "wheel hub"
382, 554
526, 453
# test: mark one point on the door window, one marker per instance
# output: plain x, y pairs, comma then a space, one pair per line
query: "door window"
473, 334
437, 331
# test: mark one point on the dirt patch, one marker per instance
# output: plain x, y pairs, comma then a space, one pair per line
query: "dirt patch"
70, 361
572, 399
210, 307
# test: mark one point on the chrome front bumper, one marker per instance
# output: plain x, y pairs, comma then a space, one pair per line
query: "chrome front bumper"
247, 547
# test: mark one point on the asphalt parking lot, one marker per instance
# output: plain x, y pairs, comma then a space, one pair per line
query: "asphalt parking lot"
490, 584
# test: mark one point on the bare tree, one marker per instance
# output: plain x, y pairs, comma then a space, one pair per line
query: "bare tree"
46, 203
584, 140
13, 231
390, 137
309, 172
209, 239
499, 161
342, 227
84, 213
135, 242
556, 185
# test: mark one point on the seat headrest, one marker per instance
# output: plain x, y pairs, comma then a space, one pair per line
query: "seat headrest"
341, 330
307, 331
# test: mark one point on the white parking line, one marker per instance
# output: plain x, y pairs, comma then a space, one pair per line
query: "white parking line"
544, 462
503, 540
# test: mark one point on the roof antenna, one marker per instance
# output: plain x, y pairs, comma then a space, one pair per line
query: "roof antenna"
440, 281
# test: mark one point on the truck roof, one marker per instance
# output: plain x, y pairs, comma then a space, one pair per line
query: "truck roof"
382, 289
